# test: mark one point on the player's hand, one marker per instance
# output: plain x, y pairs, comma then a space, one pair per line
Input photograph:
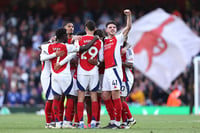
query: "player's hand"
127, 12
77, 38
59, 53
93, 61
57, 66
123, 51
52, 39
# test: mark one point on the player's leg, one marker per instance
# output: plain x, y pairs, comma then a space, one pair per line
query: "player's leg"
88, 109
57, 92
106, 96
67, 85
82, 83
46, 86
69, 107
130, 120
115, 87
99, 92
94, 87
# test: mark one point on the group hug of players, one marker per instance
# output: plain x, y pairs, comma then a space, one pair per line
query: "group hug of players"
87, 69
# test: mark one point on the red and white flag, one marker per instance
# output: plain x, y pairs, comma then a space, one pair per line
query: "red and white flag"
163, 45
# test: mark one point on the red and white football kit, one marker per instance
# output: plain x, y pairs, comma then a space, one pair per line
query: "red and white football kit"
127, 73
112, 79
61, 79
45, 77
87, 74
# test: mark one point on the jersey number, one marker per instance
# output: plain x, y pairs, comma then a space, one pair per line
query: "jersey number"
114, 82
92, 52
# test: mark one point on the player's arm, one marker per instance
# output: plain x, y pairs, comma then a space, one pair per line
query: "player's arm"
125, 47
127, 12
47, 56
127, 64
129, 57
87, 46
100, 60
64, 61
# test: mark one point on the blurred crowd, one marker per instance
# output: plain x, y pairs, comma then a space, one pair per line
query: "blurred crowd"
22, 32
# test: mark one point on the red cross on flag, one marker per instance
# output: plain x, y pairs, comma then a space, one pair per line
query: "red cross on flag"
163, 45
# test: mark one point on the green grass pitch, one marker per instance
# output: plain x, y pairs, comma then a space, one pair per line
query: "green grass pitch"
31, 123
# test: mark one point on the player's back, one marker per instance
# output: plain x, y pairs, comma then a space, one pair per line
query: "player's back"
92, 53
59, 47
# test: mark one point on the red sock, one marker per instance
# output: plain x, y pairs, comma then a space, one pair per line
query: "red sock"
124, 117
118, 109
89, 117
48, 111
80, 109
99, 109
110, 108
68, 109
52, 114
72, 114
95, 108
76, 118
56, 106
128, 112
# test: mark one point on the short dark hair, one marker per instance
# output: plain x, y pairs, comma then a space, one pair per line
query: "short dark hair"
90, 24
99, 32
67, 22
81, 33
60, 33
111, 22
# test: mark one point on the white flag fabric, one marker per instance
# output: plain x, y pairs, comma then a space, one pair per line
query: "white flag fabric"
163, 45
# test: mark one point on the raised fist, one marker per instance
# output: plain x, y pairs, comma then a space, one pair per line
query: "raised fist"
127, 12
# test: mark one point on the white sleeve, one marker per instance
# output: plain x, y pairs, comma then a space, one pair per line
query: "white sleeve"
67, 58
73, 48
129, 55
44, 54
101, 55
120, 38
44, 47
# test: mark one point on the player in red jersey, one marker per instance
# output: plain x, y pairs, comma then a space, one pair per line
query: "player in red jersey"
87, 74
61, 75
70, 108
45, 79
112, 79
127, 84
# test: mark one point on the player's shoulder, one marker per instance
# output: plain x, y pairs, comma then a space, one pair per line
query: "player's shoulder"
44, 45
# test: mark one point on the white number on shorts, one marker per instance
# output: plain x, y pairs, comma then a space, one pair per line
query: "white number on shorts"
93, 51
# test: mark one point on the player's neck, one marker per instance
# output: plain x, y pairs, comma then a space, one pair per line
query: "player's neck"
110, 36
90, 33
70, 35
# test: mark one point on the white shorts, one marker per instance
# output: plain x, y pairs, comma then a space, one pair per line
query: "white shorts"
62, 84
46, 87
126, 88
112, 79
74, 90
88, 81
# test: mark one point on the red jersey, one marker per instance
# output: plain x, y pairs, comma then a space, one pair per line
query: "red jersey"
92, 53
57, 47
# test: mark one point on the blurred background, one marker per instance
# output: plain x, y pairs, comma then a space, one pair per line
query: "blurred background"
25, 24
